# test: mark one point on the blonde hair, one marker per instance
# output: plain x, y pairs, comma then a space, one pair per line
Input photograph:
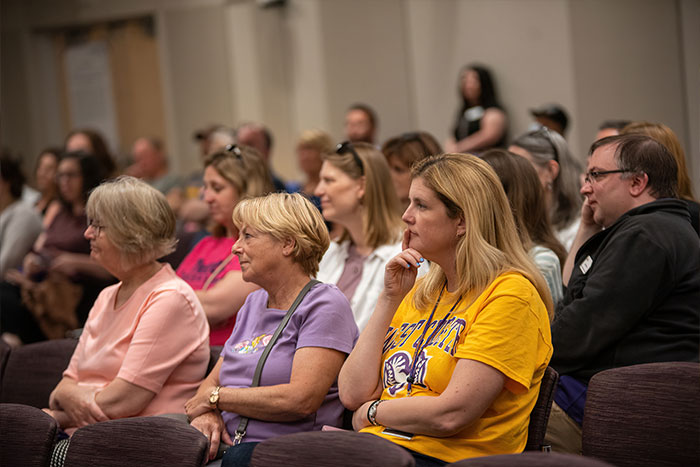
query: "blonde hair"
137, 217
668, 138
316, 139
288, 215
469, 188
242, 167
381, 222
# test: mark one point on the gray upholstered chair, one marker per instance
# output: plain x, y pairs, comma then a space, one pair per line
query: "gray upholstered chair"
531, 459
644, 415
147, 441
27, 436
540, 413
33, 371
330, 449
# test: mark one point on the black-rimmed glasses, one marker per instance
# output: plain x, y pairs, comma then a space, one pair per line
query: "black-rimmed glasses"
595, 175
96, 226
347, 147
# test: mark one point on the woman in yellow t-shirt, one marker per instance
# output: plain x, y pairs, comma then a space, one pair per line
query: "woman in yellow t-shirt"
449, 366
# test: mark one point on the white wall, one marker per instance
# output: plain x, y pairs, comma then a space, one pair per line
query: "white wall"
300, 66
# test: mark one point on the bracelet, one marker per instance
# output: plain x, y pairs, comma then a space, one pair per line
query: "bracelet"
372, 412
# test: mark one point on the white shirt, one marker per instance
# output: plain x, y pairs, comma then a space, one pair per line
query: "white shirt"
372, 282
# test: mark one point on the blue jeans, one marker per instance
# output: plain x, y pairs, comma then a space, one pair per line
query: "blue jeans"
239, 455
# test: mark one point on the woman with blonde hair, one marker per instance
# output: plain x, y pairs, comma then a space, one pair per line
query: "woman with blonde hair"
305, 327
449, 366
145, 346
211, 268
664, 135
356, 197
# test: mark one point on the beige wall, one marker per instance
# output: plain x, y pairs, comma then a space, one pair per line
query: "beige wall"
301, 66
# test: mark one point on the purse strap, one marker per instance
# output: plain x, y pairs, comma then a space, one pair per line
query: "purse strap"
243, 424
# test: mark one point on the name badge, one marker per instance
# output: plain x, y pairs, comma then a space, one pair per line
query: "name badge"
586, 265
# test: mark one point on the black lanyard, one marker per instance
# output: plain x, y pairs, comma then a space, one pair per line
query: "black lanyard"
420, 344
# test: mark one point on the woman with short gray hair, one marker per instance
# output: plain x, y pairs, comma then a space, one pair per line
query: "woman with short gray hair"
145, 345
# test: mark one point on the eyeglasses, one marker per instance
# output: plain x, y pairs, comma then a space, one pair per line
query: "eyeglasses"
97, 227
595, 175
347, 147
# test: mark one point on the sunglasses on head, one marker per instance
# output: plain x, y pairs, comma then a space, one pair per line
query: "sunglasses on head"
347, 147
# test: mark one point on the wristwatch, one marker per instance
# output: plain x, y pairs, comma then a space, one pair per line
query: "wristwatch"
372, 411
214, 398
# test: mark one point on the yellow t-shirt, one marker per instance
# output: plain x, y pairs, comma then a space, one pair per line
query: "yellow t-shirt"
507, 328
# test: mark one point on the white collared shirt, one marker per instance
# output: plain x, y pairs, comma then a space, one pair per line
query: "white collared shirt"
372, 282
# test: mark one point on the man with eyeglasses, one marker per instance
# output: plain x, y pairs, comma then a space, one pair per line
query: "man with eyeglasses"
632, 277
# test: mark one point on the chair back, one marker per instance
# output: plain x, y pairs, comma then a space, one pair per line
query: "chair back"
644, 415
531, 459
28, 435
151, 441
33, 371
330, 449
540, 413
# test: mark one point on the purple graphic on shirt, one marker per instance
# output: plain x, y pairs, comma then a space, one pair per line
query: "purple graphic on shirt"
398, 367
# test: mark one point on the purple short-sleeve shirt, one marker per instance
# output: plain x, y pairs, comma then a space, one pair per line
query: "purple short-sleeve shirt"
323, 319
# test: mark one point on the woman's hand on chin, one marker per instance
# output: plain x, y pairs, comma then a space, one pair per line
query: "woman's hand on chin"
212, 426
401, 270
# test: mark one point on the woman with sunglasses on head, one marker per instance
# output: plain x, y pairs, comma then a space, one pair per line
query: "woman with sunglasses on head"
559, 174
401, 153
58, 281
450, 365
481, 122
355, 195
211, 268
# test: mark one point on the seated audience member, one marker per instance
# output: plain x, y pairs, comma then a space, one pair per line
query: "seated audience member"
150, 164
668, 138
611, 128
193, 210
361, 124
552, 116
92, 142
312, 144
356, 196
559, 173
455, 359
145, 348
526, 198
282, 239
20, 224
481, 122
45, 178
59, 281
211, 269
258, 136
401, 153
632, 277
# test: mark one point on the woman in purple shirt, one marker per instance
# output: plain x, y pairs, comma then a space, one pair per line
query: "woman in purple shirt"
282, 238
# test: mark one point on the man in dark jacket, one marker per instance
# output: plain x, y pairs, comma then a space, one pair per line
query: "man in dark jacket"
632, 277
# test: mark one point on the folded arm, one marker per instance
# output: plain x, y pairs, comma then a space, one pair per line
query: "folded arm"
225, 298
